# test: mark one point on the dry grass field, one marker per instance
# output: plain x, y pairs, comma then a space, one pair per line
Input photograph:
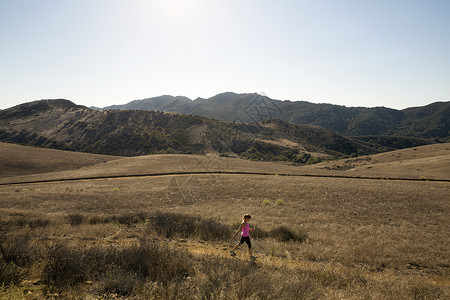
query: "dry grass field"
430, 162
25, 160
167, 236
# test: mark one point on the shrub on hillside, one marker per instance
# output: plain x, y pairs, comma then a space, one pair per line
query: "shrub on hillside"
36, 223
76, 219
266, 202
116, 270
17, 249
99, 220
129, 219
170, 225
16, 256
10, 273
64, 266
117, 281
285, 234
279, 202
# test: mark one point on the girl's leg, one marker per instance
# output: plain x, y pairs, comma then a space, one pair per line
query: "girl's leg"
234, 248
249, 244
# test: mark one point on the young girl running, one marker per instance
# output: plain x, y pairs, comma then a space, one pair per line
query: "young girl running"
245, 236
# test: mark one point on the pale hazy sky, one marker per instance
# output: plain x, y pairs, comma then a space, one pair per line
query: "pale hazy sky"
393, 53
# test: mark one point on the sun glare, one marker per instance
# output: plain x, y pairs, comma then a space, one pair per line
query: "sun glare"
179, 8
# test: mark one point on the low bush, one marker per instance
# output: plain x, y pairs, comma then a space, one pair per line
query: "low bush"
259, 232
210, 230
64, 266
117, 270
117, 281
128, 219
279, 202
170, 225
16, 256
285, 234
76, 219
36, 223
99, 220
10, 273
17, 249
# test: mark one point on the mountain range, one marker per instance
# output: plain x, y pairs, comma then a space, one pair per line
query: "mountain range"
61, 124
430, 121
256, 128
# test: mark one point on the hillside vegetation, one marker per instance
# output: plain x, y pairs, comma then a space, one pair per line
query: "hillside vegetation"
430, 121
60, 124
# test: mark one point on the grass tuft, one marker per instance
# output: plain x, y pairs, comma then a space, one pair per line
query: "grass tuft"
76, 219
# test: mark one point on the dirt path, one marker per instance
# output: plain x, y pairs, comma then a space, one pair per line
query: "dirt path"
215, 173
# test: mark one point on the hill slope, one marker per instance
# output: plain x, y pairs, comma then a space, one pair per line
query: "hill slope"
60, 124
427, 162
431, 162
431, 121
24, 160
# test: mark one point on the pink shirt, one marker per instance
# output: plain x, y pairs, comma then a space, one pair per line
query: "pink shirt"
246, 230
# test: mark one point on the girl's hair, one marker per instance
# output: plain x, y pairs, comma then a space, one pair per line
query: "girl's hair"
247, 216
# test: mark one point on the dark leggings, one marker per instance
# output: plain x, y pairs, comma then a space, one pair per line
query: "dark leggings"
246, 239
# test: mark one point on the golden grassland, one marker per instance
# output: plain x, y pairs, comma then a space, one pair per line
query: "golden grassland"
362, 238
427, 162
18, 160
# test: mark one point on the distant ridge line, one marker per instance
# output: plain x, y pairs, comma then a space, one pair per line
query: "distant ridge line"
223, 173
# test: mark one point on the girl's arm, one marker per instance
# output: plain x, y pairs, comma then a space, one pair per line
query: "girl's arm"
239, 229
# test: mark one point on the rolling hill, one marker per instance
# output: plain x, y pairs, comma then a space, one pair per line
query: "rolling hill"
431, 121
426, 162
430, 162
18, 160
60, 124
